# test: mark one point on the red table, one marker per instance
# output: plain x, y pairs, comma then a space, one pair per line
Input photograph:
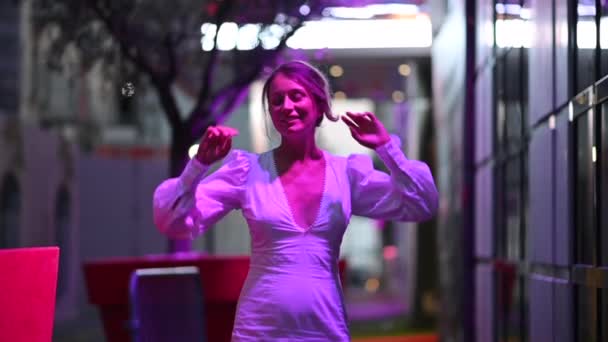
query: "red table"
222, 278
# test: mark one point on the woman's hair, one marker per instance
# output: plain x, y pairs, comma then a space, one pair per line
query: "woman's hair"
311, 79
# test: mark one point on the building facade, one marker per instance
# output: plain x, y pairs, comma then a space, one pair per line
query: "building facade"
534, 101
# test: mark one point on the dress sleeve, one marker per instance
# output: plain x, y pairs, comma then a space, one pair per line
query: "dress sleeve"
407, 194
186, 206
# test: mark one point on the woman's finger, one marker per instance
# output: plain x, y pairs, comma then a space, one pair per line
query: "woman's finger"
355, 133
227, 146
206, 134
231, 131
358, 118
225, 130
348, 121
225, 141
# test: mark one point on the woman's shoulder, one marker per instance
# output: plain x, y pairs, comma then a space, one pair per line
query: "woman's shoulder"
238, 159
247, 158
346, 159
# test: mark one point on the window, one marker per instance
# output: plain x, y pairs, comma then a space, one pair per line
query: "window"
11, 59
585, 45
513, 98
500, 230
510, 100
603, 159
585, 232
524, 90
501, 103
10, 212
127, 114
604, 315
604, 38
62, 238
511, 304
525, 205
512, 208
586, 314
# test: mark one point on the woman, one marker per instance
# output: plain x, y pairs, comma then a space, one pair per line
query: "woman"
297, 200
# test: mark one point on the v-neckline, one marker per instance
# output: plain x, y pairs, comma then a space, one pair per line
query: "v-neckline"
286, 199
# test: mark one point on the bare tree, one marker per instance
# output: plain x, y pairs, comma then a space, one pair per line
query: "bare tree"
161, 40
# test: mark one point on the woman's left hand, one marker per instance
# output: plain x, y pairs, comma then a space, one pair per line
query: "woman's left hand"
366, 129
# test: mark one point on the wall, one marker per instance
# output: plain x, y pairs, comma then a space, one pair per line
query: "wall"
541, 173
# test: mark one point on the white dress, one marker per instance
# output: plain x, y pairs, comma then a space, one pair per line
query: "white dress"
292, 291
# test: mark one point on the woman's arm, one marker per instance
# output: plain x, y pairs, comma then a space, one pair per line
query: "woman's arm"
407, 194
186, 206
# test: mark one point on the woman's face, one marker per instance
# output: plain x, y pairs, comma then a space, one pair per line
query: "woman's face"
292, 109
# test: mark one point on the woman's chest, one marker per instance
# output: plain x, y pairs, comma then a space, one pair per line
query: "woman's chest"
303, 194
316, 199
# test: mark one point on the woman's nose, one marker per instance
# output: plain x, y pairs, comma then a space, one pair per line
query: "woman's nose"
287, 103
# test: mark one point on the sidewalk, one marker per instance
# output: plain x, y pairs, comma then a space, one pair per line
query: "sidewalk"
362, 306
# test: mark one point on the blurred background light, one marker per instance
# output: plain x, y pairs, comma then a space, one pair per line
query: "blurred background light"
370, 11
404, 70
336, 71
413, 32
372, 284
192, 151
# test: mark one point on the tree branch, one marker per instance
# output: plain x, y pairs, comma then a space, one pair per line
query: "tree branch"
167, 101
134, 57
161, 84
171, 47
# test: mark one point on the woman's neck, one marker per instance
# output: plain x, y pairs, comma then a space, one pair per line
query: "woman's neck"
299, 150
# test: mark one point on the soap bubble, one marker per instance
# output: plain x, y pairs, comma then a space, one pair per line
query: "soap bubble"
128, 89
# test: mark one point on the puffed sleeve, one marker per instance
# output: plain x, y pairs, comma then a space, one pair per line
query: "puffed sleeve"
407, 194
186, 206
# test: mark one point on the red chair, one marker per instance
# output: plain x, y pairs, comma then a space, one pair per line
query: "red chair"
28, 281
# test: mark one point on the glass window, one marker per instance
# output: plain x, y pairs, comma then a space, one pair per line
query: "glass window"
564, 29
510, 304
11, 60
604, 38
584, 191
585, 44
512, 207
499, 86
62, 237
513, 97
586, 314
524, 90
604, 315
499, 211
541, 80
603, 159
525, 205
485, 37
10, 210
524, 310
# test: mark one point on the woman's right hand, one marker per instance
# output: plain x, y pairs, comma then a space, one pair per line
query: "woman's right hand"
215, 144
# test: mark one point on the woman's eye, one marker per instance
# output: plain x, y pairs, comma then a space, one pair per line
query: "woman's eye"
296, 96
